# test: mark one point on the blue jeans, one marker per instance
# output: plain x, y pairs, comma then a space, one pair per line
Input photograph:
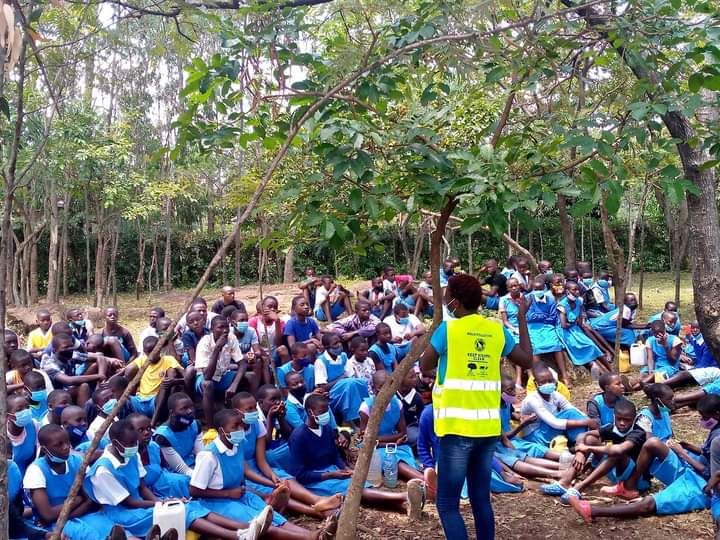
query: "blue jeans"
460, 457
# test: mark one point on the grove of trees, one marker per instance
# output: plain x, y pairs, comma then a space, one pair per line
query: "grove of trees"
139, 136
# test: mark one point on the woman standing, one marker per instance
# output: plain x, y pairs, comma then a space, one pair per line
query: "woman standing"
466, 350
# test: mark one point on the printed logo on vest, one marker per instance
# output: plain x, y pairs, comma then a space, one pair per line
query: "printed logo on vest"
479, 344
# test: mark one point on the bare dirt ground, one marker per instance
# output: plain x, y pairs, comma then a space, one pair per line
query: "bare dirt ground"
527, 515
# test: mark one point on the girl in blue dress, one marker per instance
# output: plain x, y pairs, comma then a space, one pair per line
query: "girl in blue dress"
22, 431
48, 480
161, 481
655, 418
605, 325
542, 320
261, 477
392, 430
333, 374
601, 405
180, 437
219, 481
508, 309
116, 481
580, 347
319, 467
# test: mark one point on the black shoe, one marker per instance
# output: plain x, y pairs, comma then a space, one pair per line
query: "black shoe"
117, 533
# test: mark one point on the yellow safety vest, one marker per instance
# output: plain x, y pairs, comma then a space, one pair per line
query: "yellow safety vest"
467, 403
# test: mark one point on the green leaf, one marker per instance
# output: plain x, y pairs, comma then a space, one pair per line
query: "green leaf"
495, 74
638, 110
5, 107
329, 229
712, 83
695, 82
428, 95
35, 15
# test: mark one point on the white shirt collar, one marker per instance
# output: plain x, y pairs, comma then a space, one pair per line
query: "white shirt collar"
115, 461
317, 431
295, 401
224, 449
409, 397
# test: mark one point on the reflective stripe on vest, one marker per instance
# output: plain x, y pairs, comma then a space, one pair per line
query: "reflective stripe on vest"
467, 403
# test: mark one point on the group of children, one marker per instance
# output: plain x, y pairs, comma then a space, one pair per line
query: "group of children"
247, 419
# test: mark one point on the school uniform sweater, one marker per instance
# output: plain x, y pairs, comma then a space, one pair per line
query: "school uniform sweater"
311, 453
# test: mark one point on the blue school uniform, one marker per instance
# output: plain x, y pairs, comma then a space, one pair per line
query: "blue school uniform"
136, 521
308, 373
674, 329
24, 453
607, 413
511, 310
661, 355
39, 410
248, 449
88, 527
182, 441
162, 482
698, 350
605, 326
387, 427
523, 448
246, 507
577, 343
543, 433
661, 427
313, 455
347, 394
388, 355
542, 320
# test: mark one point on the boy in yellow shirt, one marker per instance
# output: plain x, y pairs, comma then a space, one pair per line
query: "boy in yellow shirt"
39, 339
161, 376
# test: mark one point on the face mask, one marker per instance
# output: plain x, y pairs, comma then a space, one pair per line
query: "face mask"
587, 281
127, 452
52, 457
242, 326
38, 396
78, 324
549, 272
57, 411
662, 407
236, 437
403, 320
66, 356
298, 393
23, 418
335, 351
538, 295
186, 419
109, 405
76, 434
251, 418
571, 297
547, 388
710, 423
619, 433
323, 419
304, 362
668, 329
603, 283
508, 399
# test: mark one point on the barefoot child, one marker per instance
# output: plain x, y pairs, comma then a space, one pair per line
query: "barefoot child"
320, 468
116, 481
261, 478
219, 480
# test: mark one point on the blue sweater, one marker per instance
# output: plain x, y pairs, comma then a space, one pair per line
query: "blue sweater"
311, 454
427, 442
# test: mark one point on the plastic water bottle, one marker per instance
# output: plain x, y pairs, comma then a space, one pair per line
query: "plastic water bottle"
566, 459
390, 466
595, 373
374, 476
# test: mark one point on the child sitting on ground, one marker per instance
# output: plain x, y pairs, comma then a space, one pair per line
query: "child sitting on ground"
384, 352
601, 406
412, 405
362, 366
39, 338
655, 418
180, 438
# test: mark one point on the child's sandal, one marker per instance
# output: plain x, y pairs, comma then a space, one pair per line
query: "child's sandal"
571, 492
554, 490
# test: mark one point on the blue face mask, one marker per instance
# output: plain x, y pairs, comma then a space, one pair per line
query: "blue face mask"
38, 396
323, 419
78, 324
619, 433
109, 405
186, 419
547, 388
251, 418
23, 418
242, 326
76, 434
336, 351
538, 294
57, 411
603, 283
128, 452
662, 407
53, 458
587, 281
236, 437
306, 361
403, 320
549, 272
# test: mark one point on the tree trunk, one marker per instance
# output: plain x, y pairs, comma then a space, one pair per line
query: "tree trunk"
100, 267
53, 248
238, 249
567, 228
703, 224
86, 225
289, 268
167, 273
210, 206
641, 285
34, 292
140, 279
112, 279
